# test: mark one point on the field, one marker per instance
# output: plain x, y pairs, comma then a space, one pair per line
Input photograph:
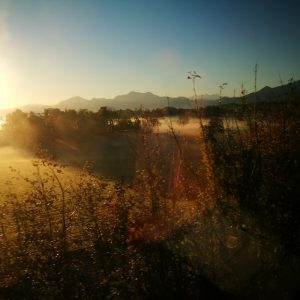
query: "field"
161, 199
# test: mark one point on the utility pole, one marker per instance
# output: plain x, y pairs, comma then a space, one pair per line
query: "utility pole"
221, 86
193, 75
255, 77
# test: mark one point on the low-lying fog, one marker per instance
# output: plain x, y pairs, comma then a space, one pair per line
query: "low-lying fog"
16, 158
22, 162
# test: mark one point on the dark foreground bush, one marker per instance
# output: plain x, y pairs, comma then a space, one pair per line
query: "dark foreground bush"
80, 239
256, 163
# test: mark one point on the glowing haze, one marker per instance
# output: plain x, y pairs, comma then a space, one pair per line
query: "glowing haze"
52, 50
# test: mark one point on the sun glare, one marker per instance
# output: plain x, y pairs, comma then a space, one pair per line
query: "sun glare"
6, 88
3, 91
3, 103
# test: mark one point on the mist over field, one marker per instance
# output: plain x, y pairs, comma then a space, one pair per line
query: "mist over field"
17, 164
11, 156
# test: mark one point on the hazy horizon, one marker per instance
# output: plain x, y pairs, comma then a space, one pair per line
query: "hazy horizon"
51, 51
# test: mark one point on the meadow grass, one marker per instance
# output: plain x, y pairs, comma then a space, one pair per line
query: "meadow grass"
198, 217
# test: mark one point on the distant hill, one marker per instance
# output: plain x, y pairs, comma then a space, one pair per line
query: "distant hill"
268, 94
73, 102
37, 108
136, 100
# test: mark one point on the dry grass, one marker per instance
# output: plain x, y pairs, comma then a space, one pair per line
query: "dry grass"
169, 218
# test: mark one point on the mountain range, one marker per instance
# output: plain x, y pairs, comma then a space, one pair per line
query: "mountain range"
136, 100
133, 100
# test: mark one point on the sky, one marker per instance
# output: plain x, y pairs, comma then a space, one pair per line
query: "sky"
51, 50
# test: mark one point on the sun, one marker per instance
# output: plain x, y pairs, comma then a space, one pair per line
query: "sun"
3, 103
8, 83
4, 100
5, 93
